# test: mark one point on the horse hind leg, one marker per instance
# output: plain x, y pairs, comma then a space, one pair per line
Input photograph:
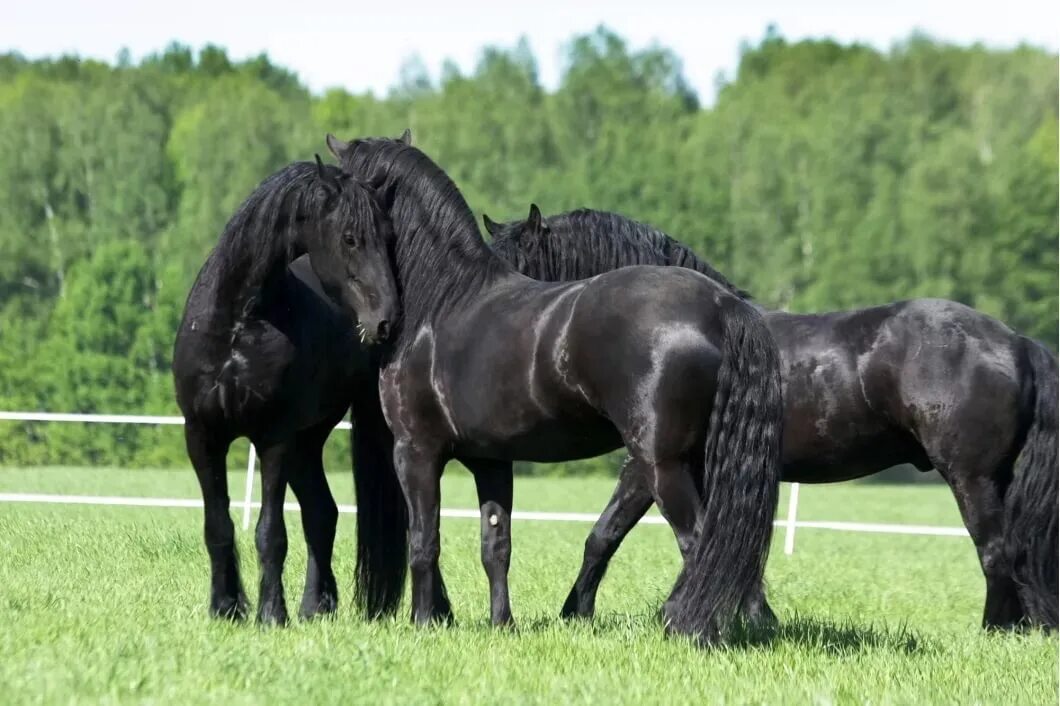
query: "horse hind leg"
678, 494
631, 499
207, 454
979, 497
675, 492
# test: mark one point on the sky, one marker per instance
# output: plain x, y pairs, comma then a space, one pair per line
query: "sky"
363, 45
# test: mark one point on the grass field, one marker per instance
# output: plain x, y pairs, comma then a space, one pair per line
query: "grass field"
108, 604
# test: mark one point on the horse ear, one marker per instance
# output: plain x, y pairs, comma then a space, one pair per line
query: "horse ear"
491, 226
406, 137
329, 181
533, 221
336, 146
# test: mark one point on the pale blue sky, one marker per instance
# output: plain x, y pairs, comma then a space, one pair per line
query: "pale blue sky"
362, 45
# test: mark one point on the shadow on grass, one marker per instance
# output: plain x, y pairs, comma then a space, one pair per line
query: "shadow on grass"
831, 638
813, 634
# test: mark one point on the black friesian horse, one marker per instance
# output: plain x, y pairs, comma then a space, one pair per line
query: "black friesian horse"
262, 352
490, 366
927, 382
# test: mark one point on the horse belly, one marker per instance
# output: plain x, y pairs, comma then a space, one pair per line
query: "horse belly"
830, 431
507, 421
548, 441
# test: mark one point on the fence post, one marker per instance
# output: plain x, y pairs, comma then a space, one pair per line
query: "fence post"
789, 534
250, 487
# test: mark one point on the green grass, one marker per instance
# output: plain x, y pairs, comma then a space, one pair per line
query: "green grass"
108, 604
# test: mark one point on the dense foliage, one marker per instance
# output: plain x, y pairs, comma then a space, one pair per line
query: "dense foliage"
824, 176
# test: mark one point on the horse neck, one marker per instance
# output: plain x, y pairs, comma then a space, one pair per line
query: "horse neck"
441, 261
242, 278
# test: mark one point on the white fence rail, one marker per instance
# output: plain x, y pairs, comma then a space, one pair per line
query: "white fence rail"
790, 524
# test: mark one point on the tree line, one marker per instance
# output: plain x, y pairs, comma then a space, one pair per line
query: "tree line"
823, 176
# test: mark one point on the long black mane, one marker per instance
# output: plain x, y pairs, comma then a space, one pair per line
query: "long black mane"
440, 256
584, 243
262, 236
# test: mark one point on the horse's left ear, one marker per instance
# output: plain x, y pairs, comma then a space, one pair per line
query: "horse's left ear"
406, 137
336, 146
533, 221
491, 226
329, 181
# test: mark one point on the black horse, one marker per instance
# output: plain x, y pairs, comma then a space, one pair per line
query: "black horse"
927, 382
263, 353
489, 366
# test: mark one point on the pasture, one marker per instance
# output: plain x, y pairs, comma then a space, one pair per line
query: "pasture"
108, 604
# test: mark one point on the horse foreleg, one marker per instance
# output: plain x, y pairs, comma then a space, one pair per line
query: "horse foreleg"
207, 455
319, 520
493, 481
420, 473
631, 499
271, 535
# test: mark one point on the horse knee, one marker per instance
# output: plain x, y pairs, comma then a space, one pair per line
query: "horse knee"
423, 556
994, 559
597, 548
270, 538
328, 513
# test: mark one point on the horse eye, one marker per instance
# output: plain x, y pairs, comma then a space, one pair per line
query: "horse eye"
348, 238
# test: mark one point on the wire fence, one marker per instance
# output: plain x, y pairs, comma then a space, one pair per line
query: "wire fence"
789, 524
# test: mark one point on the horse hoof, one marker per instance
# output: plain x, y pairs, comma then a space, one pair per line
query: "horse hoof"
275, 617
324, 606
506, 622
436, 619
574, 610
229, 608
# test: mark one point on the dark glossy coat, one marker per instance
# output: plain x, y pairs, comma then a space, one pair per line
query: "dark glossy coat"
490, 366
928, 382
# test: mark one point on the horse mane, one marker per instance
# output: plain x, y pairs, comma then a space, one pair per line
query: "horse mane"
584, 243
441, 260
262, 235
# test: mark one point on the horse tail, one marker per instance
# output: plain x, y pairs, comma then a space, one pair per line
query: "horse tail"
740, 482
1031, 500
382, 515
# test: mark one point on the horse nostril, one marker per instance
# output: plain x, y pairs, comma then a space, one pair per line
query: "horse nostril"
383, 330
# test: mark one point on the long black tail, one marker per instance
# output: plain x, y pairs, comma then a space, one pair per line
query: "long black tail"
1031, 500
382, 515
740, 483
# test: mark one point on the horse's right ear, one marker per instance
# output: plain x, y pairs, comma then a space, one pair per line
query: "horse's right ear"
491, 227
336, 146
406, 137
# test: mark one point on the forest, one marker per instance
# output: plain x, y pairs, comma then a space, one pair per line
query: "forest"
821, 176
